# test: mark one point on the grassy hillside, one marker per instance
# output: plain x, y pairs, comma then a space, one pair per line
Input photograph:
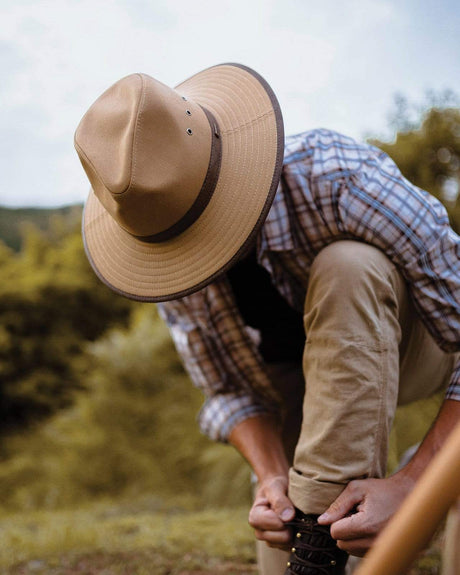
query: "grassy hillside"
148, 536
14, 220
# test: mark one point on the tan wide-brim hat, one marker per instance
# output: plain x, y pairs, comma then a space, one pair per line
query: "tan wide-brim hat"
182, 179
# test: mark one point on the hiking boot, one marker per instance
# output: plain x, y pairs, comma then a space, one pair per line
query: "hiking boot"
314, 551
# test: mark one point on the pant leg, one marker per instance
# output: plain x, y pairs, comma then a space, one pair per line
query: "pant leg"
288, 379
270, 561
358, 318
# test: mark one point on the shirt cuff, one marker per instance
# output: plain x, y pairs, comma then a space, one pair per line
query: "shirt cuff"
453, 391
221, 413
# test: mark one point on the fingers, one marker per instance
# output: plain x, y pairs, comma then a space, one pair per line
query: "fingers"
357, 547
271, 509
279, 539
269, 527
353, 527
344, 504
352, 533
275, 492
263, 518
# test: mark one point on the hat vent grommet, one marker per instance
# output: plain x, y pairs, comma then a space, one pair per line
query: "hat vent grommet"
184, 98
188, 112
189, 131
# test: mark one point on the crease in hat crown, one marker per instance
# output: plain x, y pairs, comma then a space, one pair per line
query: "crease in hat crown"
146, 151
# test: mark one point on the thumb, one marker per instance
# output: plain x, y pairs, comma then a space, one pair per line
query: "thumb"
279, 501
345, 502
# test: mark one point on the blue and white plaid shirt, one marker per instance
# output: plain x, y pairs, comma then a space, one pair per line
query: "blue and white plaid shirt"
332, 188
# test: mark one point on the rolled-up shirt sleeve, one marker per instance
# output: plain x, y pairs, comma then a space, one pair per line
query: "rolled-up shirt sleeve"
221, 358
221, 413
378, 205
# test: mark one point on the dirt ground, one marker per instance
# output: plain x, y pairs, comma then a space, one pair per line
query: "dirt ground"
144, 562
154, 562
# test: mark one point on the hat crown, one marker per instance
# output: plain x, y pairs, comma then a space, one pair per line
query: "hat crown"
236, 145
146, 151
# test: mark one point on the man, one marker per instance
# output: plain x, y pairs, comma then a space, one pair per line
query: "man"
306, 297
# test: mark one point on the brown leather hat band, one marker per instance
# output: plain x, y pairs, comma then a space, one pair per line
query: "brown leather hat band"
207, 189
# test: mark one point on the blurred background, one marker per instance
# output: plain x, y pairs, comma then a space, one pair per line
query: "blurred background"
95, 408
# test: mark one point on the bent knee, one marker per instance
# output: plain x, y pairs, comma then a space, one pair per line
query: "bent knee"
348, 261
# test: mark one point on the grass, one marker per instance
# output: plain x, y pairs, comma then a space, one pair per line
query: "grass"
127, 538
151, 535
147, 537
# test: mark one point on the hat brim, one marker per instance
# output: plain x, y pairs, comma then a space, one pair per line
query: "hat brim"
252, 139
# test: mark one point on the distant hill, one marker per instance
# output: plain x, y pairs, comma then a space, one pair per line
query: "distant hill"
13, 221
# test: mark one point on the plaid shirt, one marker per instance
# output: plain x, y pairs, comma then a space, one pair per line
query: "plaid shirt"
331, 188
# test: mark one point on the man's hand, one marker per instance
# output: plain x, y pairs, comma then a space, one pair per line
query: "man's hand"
259, 441
361, 511
271, 509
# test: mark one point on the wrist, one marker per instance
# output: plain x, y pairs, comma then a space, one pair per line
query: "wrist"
446, 420
407, 477
259, 441
273, 476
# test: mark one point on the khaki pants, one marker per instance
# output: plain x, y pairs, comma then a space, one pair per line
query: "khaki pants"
366, 351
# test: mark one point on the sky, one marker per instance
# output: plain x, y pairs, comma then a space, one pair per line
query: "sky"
332, 63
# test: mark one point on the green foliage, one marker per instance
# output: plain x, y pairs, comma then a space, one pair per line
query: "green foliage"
132, 432
50, 304
405, 115
429, 156
13, 220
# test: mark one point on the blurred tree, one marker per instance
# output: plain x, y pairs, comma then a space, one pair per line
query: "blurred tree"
427, 148
406, 115
51, 303
12, 221
135, 425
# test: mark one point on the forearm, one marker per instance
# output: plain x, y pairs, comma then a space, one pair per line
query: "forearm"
446, 420
259, 441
